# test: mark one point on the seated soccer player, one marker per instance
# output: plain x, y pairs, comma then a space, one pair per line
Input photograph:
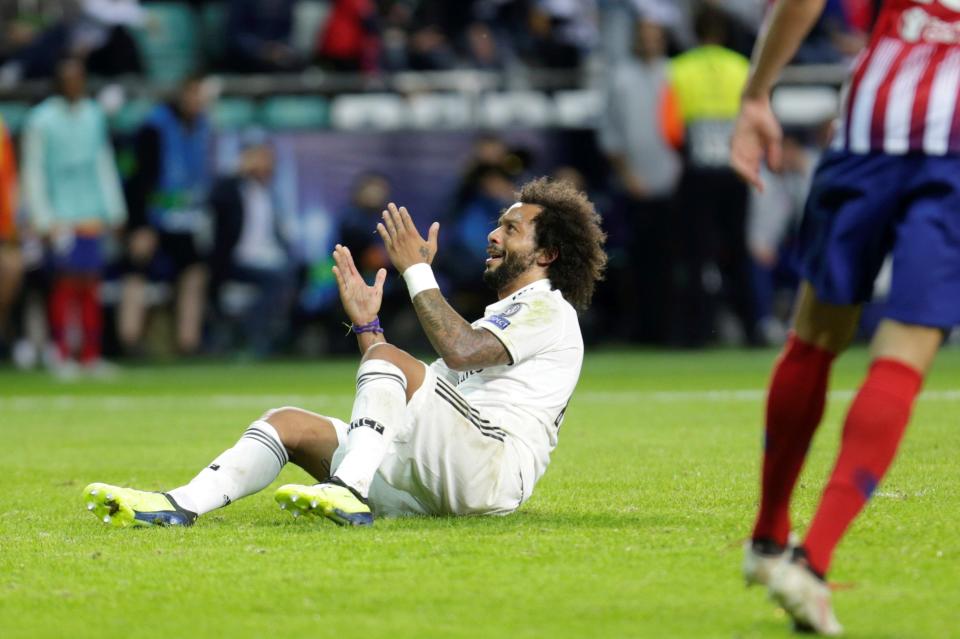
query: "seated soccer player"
469, 434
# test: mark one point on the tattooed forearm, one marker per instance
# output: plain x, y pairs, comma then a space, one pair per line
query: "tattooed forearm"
460, 345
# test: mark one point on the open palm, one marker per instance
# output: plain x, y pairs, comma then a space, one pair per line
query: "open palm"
360, 301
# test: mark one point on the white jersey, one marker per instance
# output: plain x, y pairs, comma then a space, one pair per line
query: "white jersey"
527, 398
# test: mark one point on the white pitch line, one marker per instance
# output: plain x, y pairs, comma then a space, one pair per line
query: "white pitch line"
160, 402
727, 396
118, 403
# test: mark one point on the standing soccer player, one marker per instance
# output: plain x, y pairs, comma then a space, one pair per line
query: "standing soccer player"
889, 184
471, 433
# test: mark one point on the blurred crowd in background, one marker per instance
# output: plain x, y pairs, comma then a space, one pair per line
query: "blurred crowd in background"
257, 36
186, 232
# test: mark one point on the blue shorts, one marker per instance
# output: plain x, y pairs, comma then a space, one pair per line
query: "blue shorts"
81, 254
862, 208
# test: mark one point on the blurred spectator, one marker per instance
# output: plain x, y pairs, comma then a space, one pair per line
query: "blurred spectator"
641, 128
430, 50
712, 207
640, 133
571, 174
466, 233
102, 36
251, 245
482, 47
371, 192
488, 150
748, 13
95, 31
168, 218
259, 36
395, 24
742, 20
350, 39
563, 31
507, 21
839, 34
774, 216
370, 195
11, 264
16, 34
73, 198
493, 193
432, 35
617, 25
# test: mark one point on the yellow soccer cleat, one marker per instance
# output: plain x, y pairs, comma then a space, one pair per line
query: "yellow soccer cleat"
331, 499
123, 507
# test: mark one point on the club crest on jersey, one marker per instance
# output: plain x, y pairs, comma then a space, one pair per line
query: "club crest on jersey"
916, 25
512, 310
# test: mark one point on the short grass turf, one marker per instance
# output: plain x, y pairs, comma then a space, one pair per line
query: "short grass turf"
635, 530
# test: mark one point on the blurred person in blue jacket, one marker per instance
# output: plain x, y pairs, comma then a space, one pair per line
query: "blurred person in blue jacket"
169, 220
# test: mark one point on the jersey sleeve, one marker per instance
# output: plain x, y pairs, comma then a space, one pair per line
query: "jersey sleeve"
525, 328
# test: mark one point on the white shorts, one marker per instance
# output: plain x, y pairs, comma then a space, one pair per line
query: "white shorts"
447, 459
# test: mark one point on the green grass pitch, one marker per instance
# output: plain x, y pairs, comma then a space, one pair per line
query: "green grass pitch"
635, 531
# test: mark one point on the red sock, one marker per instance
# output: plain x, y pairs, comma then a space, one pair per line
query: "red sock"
59, 308
795, 405
871, 434
91, 319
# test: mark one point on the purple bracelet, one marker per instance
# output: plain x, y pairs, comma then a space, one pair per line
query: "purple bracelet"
372, 327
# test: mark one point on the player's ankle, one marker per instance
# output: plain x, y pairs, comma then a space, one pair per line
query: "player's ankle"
801, 557
339, 482
767, 546
190, 514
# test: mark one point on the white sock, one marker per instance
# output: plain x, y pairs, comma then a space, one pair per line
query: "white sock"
377, 413
249, 467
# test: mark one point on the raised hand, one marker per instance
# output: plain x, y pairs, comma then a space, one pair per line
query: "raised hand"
405, 246
360, 301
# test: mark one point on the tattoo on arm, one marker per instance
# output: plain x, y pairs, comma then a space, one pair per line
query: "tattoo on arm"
460, 345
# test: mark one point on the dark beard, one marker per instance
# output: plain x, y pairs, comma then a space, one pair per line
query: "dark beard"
511, 267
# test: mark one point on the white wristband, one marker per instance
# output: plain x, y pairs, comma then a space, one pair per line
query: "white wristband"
419, 278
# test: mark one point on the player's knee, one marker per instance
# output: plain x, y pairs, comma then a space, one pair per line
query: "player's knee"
286, 420
913, 345
829, 327
392, 360
267, 415
834, 339
385, 352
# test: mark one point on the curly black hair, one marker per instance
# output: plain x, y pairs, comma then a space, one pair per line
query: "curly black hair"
569, 224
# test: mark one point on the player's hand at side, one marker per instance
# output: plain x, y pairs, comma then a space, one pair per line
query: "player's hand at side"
360, 301
756, 135
405, 246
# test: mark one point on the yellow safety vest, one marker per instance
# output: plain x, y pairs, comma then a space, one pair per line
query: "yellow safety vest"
708, 82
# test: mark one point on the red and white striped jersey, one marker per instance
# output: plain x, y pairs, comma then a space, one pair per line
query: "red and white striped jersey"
902, 95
